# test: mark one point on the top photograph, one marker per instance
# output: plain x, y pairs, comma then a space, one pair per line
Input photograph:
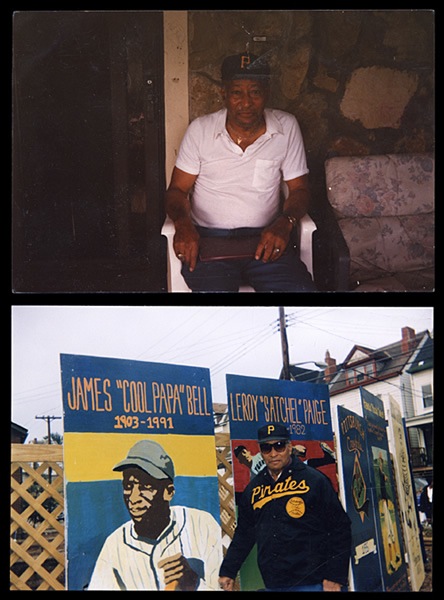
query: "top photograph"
223, 151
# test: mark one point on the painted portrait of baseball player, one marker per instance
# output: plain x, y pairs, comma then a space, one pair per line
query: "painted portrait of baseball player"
162, 546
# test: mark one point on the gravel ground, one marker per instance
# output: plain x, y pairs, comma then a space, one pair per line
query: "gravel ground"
427, 585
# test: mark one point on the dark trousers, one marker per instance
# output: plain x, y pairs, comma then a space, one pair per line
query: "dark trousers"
286, 274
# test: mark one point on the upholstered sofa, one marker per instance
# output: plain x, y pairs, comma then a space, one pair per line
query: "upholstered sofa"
384, 209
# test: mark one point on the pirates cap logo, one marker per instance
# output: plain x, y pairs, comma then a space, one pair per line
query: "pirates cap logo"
245, 61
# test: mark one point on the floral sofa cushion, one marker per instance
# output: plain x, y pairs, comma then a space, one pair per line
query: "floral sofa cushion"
383, 245
386, 185
385, 209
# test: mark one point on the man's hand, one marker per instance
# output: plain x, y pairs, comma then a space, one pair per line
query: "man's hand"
274, 240
331, 586
178, 575
186, 243
226, 584
178, 207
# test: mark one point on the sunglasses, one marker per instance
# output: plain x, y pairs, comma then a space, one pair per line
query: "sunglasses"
278, 446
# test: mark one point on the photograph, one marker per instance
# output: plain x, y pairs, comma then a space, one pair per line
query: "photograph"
222, 300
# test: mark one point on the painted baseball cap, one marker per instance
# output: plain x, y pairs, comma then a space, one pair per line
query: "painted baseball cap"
272, 431
245, 66
299, 450
150, 457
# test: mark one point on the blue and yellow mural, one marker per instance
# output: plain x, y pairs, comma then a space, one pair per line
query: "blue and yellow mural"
136, 434
359, 501
390, 543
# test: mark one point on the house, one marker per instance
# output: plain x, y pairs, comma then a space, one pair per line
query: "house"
402, 370
18, 434
419, 416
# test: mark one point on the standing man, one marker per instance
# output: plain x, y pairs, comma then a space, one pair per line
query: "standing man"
426, 502
293, 514
162, 547
227, 182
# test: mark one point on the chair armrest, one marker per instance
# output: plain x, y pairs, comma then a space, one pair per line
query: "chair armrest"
168, 228
175, 281
332, 255
305, 229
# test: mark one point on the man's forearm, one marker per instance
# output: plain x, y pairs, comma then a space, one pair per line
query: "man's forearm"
297, 203
177, 205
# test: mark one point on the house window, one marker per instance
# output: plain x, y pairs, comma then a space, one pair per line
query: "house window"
371, 370
427, 396
366, 372
351, 377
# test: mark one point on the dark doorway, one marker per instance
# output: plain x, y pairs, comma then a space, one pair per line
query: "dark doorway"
88, 151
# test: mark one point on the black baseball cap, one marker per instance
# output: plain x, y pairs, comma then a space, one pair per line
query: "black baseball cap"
245, 66
272, 431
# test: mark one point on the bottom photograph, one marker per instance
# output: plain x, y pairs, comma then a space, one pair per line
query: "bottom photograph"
222, 448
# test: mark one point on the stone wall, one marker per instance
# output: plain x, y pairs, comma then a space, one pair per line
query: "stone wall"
359, 82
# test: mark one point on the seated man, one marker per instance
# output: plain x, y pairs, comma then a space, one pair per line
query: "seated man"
234, 161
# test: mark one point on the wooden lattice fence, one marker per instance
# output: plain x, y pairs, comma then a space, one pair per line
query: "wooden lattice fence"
37, 513
226, 490
37, 559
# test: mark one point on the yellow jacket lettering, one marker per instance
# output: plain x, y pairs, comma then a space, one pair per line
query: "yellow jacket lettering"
262, 494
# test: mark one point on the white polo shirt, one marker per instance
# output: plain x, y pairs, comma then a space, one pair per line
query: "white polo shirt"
235, 188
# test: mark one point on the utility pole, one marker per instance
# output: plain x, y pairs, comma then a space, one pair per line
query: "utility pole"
284, 344
48, 421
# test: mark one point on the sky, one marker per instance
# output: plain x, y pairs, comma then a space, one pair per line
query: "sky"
237, 340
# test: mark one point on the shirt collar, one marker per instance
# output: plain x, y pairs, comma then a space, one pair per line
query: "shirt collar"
219, 128
273, 125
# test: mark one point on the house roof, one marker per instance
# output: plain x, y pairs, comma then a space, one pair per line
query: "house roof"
424, 359
18, 430
308, 375
361, 354
390, 361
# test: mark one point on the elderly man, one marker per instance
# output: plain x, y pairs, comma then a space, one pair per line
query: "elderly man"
162, 547
227, 183
293, 514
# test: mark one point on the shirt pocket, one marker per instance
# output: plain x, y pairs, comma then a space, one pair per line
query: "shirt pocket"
266, 175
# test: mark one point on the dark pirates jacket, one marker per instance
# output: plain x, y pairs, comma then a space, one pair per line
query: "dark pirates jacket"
302, 532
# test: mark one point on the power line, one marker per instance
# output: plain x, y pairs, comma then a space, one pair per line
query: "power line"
35, 397
215, 343
210, 343
297, 318
241, 351
174, 331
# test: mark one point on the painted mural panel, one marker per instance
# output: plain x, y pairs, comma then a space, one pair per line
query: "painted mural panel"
393, 567
359, 501
141, 482
406, 495
304, 408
